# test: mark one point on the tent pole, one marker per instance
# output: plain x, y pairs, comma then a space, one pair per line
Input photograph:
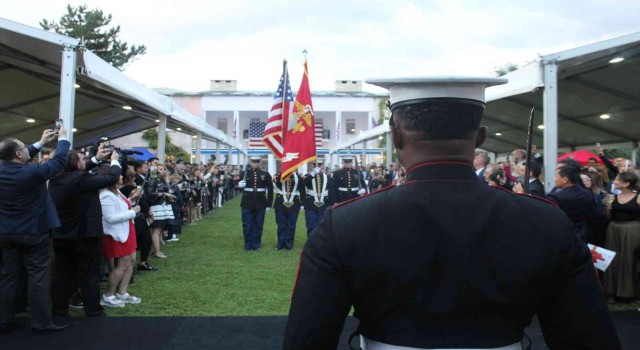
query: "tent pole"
198, 148
389, 150
68, 90
550, 121
218, 153
162, 137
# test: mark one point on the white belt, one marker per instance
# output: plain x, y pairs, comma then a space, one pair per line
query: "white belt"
310, 192
346, 189
279, 191
368, 344
249, 189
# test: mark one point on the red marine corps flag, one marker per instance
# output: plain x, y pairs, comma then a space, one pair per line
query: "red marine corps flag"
300, 137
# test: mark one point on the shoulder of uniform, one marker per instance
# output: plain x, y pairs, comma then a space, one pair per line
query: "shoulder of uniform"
362, 197
526, 195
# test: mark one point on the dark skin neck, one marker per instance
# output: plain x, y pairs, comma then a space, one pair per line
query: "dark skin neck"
413, 149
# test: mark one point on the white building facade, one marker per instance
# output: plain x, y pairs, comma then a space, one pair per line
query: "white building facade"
342, 114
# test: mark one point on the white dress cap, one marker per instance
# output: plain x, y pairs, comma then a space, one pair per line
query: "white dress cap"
347, 158
255, 158
421, 88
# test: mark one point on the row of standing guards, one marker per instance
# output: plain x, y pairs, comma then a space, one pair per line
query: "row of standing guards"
315, 192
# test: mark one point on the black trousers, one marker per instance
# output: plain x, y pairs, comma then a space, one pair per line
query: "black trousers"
143, 237
77, 264
33, 254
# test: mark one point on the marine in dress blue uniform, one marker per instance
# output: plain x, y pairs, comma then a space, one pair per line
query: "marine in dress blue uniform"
318, 196
287, 208
435, 263
257, 196
348, 182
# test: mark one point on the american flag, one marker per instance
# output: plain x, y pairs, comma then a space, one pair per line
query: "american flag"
235, 127
279, 115
318, 127
256, 130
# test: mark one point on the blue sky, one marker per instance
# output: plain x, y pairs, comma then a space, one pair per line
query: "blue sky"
190, 42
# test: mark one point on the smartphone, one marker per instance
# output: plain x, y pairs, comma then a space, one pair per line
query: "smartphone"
153, 172
59, 123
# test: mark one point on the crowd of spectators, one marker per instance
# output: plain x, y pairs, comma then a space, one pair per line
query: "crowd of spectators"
600, 198
100, 210
69, 221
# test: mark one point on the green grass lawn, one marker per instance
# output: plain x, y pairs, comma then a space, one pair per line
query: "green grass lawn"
209, 274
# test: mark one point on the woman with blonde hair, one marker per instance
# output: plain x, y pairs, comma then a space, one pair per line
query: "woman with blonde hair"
118, 242
158, 192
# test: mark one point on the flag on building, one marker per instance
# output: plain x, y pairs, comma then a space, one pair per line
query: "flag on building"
256, 130
235, 126
276, 126
300, 137
318, 134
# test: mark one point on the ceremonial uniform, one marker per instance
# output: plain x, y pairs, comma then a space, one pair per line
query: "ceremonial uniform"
287, 207
439, 271
347, 182
444, 261
318, 196
256, 197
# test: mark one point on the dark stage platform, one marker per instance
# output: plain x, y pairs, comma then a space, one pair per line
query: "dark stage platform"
215, 333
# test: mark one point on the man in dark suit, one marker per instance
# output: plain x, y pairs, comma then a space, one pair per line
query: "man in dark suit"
480, 162
536, 188
575, 200
77, 244
442, 267
27, 216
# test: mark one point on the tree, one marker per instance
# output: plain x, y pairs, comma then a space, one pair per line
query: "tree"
505, 69
171, 150
81, 23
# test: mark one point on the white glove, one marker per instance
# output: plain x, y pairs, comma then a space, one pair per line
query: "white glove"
242, 184
361, 192
268, 208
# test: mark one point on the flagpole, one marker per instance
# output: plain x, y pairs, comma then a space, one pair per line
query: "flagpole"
285, 124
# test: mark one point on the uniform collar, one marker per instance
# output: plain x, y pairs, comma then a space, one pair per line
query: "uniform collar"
457, 171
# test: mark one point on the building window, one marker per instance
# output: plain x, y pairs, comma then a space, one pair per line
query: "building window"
326, 134
351, 126
222, 125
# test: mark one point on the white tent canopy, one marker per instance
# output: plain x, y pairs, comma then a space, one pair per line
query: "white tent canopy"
38, 71
582, 96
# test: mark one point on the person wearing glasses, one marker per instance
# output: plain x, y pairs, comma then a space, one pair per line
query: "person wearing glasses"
27, 216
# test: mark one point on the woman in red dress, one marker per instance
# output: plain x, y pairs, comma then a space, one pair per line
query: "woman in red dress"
119, 243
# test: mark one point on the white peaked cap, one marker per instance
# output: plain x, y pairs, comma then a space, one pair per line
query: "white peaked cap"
404, 91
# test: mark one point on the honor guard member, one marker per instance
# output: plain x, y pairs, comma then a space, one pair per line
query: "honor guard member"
348, 182
257, 197
287, 207
319, 195
445, 261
